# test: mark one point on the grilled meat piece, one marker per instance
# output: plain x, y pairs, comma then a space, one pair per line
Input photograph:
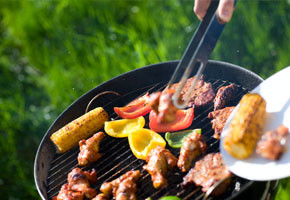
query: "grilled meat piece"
201, 96
122, 188
89, 149
78, 185
162, 104
66, 194
101, 196
219, 118
159, 161
272, 143
225, 95
192, 147
207, 172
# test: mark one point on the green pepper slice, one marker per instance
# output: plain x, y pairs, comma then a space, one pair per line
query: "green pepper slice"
175, 139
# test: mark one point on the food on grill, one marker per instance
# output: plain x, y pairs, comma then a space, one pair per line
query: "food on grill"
208, 171
162, 105
122, 127
175, 139
159, 161
219, 119
246, 127
81, 128
101, 196
89, 149
122, 188
138, 107
225, 95
142, 141
78, 185
272, 143
183, 119
202, 95
191, 148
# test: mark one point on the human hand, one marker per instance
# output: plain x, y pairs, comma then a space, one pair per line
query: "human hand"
224, 11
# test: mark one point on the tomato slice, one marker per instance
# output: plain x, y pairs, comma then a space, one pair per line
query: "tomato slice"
138, 107
183, 120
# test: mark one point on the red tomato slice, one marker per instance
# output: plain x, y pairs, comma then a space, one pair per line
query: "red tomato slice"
183, 120
138, 107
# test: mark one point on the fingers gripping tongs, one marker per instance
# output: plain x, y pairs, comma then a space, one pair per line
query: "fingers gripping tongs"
197, 53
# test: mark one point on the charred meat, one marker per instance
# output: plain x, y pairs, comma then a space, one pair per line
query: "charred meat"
225, 95
202, 95
122, 188
219, 118
78, 185
89, 149
208, 171
272, 143
191, 148
159, 161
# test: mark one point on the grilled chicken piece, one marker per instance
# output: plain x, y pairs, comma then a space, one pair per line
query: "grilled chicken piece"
272, 143
78, 185
225, 95
202, 95
162, 104
192, 147
207, 172
89, 149
219, 118
122, 188
101, 196
159, 161
66, 194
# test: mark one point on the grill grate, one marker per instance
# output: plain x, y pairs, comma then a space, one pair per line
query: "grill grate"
117, 158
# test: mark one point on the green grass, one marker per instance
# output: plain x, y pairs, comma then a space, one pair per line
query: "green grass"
51, 52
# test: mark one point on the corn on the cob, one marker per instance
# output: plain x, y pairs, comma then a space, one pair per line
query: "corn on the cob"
246, 126
81, 128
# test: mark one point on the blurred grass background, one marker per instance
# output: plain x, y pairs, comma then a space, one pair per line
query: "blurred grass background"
53, 51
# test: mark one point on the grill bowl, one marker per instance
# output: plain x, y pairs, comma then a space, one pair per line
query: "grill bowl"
51, 169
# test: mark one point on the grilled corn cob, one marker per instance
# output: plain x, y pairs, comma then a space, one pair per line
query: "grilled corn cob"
246, 126
81, 128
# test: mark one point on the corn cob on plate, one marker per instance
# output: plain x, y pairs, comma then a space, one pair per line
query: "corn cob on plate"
246, 163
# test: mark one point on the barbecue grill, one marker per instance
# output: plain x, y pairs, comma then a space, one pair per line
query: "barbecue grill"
51, 169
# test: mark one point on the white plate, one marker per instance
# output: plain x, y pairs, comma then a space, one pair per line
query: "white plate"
276, 92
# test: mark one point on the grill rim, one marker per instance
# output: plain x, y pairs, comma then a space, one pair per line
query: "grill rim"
46, 148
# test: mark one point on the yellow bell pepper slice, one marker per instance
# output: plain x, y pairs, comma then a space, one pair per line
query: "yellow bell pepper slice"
142, 141
121, 128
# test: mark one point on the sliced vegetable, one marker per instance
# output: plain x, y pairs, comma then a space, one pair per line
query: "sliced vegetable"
170, 198
121, 128
142, 141
182, 121
138, 107
175, 139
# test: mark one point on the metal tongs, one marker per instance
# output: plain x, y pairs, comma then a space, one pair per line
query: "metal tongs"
197, 53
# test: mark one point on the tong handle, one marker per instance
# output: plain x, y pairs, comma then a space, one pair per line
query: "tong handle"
191, 51
198, 51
